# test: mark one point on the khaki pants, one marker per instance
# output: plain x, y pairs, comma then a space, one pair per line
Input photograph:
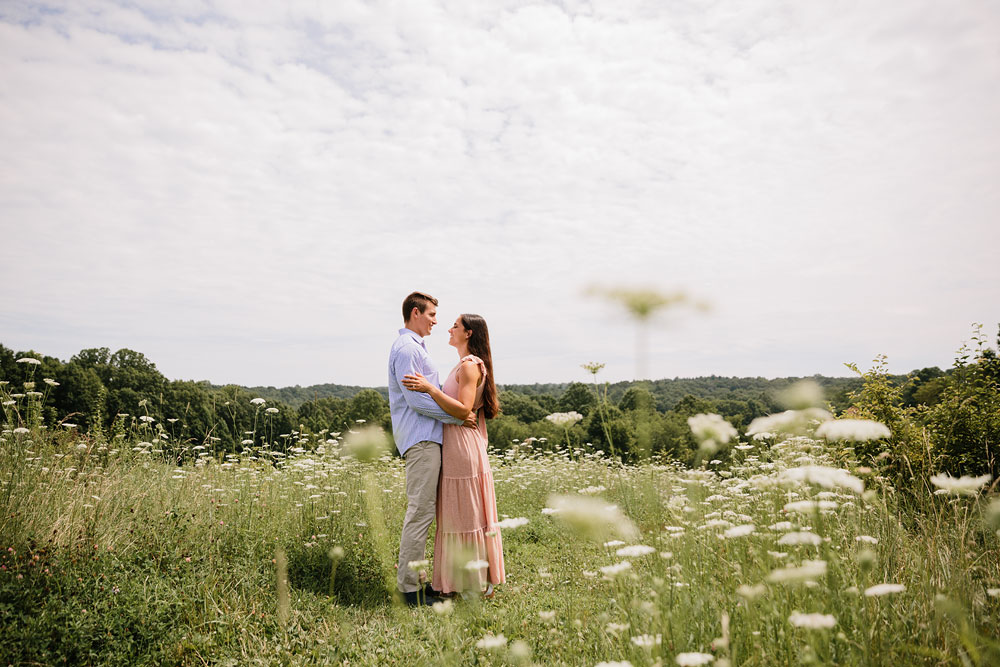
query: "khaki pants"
423, 468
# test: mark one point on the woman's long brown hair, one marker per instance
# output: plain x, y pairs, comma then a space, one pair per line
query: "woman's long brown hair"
479, 345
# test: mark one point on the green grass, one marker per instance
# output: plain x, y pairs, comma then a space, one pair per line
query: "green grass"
118, 556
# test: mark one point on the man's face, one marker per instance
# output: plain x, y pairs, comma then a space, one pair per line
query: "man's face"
422, 323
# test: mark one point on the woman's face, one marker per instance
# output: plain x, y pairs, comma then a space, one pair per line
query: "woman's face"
458, 334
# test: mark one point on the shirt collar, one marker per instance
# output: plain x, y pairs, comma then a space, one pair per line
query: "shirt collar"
414, 335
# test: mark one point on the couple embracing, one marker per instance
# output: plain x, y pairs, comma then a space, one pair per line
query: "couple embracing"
440, 431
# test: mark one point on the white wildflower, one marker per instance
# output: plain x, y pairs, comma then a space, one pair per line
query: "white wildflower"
474, 565
825, 476
884, 589
510, 524
711, 430
782, 526
960, 486
807, 506
612, 571
271, 411
31, 361
490, 642
866, 538
647, 641
443, 608
812, 621
620, 663
693, 659
751, 592
808, 571
801, 538
635, 551
789, 421
593, 517
740, 531
565, 418
547, 616
853, 430
258, 401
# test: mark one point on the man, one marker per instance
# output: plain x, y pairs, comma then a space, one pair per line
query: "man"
416, 427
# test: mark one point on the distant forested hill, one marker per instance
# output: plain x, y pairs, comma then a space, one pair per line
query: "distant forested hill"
667, 392
297, 395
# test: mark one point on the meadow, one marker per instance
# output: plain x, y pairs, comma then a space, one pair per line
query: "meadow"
131, 549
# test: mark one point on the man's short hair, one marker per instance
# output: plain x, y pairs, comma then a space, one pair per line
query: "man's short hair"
418, 300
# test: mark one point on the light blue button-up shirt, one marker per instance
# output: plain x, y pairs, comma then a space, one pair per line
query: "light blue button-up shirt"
415, 415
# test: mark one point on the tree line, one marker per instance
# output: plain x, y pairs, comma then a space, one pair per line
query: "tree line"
941, 417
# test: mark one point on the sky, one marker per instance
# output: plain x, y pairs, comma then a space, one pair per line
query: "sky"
246, 191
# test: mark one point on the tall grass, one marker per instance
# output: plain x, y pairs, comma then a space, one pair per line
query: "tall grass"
115, 553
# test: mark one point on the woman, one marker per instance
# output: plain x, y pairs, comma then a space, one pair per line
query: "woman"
466, 504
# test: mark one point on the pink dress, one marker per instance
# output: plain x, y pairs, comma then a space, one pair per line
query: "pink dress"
466, 503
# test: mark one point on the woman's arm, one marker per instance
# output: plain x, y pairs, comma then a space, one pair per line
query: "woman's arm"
468, 379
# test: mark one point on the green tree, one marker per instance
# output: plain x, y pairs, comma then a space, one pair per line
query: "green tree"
577, 397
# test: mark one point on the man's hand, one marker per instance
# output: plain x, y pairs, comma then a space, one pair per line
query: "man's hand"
472, 421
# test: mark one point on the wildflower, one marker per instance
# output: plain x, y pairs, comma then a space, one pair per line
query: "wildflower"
31, 361
634, 551
20, 430
740, 531
812, 621
623, 663
801, 538
801, 395
474, 565
592, 517
884, 589
711, 431
612, 571
866, 538
647, 641
510, 524
789, 421
520, 650
782, 526
993, 592
614, 543
693, 659
825, 476
271, 411
443, 608
591, 490
565, 418
257, 401
147, 419
50, 382
367, 444
547, 616
808, 571
806, 506
490, 642
960, 486
616, 628
853, 430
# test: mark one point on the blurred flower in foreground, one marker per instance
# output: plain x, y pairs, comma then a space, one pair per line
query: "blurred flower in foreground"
801, 395
367, 444
812, 621
510, 524
490, 642
808, 571
789, 421
565, 418
825, 476
693, 659
853, 430
622, 663
959, 486
711, 431
884, 589
592, 517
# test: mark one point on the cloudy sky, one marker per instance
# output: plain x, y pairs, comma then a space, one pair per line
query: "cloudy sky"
245, 191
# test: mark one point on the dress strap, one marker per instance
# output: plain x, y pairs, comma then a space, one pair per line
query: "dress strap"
476, 360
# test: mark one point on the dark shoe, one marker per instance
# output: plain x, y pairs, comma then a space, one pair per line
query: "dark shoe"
429, 590
415, 599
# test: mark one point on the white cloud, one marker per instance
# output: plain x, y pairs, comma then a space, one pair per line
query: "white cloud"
246, 192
